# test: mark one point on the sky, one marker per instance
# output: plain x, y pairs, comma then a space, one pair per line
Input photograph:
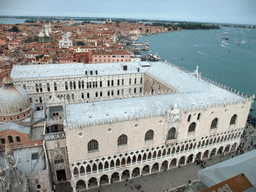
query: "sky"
212, 11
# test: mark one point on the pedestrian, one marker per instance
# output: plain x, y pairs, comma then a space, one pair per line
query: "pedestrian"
125, 184
131, 188
131, 181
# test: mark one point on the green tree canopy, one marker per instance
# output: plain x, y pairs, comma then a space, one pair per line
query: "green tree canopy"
80, 43
14, 29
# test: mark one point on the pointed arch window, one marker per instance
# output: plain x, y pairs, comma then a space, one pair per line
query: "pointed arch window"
192, 127
214, 123
171, 133
122, 140
58, 159
93, 145
149, 135
233, 120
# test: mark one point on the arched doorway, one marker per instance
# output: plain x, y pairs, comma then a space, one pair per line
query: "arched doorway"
233, 147
227, 148
145, 169
182, 160
126, 174
220, 150
155, 168
115, 177
80, 184
213, 152
164, 165
92, 182
139, 158
198, 155
206, 154
190, 158
173, 163
103, 179
136, 172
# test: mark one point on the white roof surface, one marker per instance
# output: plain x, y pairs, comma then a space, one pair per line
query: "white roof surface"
245, 164
75, 69
191, 91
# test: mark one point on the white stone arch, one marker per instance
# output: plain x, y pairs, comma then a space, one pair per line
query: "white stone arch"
159, 151
135, 171
155, 167
134, 158
128, 157
115, 162
82, 169
173, 150
146, 169
139, 155
80, 183
88, 168
76, 170
154, 154
102, 180
106, 164
173, 162
190, 158
182, 160
92, 183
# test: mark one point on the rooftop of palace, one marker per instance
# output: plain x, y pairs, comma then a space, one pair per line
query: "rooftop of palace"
191, 90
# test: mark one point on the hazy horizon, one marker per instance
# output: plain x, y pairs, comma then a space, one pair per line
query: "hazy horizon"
218, 11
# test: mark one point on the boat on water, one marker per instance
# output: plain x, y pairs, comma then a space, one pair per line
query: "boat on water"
225, 43
225, 38
153, 57
145, 48
243, 41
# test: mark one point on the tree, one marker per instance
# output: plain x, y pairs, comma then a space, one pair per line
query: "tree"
80, 43
14, 29
36, 38
117, 24
29, 39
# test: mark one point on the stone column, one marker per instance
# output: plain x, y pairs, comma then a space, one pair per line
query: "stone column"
98, 183
120, 177
109, 180
73, 184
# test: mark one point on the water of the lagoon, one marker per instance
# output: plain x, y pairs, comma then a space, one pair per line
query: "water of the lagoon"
233, 65
11, 21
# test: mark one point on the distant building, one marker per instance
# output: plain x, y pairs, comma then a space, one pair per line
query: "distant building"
114, 56
65, 42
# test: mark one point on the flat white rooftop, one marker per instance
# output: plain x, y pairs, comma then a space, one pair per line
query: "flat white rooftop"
191, 91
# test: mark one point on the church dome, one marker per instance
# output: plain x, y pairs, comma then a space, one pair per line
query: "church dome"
14, 101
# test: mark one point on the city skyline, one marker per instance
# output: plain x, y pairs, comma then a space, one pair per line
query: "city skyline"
239, 12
